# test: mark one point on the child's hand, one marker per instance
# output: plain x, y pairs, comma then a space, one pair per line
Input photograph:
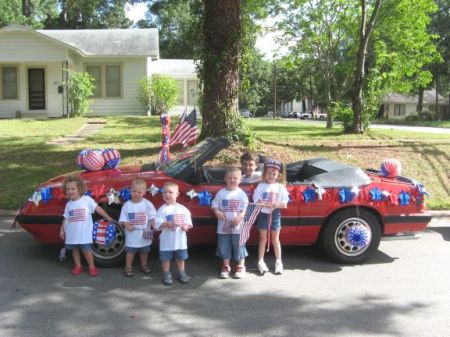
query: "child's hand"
220, 216
62, 235
236, 221
129, 227
185, 227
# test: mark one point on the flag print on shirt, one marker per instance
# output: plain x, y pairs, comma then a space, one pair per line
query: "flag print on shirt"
270, 196
137, 218
177, 219
77, 215
230, 205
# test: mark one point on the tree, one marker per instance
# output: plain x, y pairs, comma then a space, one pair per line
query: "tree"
26, 12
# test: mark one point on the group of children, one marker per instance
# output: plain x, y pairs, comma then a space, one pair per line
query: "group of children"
140, 219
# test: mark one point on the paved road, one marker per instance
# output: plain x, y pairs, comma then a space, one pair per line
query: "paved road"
403, 291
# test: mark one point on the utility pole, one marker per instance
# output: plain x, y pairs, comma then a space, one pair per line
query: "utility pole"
274, 90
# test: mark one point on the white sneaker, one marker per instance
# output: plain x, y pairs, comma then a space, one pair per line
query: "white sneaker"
240, 272
262, 267
225, 273
279, 267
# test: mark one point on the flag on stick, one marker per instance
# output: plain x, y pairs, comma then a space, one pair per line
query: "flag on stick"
251, 213
186, 131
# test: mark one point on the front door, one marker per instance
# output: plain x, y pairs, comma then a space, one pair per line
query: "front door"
36, 89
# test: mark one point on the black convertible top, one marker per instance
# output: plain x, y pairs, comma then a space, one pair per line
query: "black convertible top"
326, 173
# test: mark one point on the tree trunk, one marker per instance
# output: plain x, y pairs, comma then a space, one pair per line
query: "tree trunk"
420, 101
222, 31
26, 8
358, 81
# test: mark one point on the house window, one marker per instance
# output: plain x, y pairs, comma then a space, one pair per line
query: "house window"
399, 109
193, 91
108, 80
9, 82
180, 93
96, 73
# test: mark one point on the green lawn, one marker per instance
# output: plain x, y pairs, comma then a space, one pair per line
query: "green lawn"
438, 124
28, 160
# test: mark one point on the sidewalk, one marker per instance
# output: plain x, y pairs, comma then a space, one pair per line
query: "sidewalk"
86, 130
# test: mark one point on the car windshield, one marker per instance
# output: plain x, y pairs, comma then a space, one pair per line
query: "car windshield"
186, 158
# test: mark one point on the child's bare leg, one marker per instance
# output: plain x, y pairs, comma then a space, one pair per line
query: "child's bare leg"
226, 262
129, 257
89, 258
262, 244
165, 265
180, 265
76, 257
241, 262
144, 259
276, 244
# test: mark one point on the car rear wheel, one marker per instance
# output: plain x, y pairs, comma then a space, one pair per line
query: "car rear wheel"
351, 236
112, 254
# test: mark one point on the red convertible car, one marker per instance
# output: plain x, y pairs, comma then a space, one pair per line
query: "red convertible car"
344, 209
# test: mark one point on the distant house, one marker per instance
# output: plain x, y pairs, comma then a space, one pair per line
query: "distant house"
397, 106
33, 64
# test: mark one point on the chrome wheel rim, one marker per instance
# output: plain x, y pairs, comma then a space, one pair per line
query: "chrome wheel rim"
353, 237
112, 250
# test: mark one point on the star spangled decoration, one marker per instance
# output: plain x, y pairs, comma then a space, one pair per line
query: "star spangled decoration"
376, 194
403, 198
125, 193
36, 198
320, 191
358, 236
88, 193
355, 190
153, 190
309, 195
46, 194
113, 196
420, 188
204, 198
345, 195
191, 194
386, 194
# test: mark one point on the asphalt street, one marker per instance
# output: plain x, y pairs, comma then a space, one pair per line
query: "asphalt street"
404, 290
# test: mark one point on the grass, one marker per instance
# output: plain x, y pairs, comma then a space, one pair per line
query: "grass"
438, 124
29, 160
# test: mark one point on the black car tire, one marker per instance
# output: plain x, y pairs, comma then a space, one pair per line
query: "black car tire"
111, 255
334, 237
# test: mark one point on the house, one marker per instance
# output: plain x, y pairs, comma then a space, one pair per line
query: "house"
33, 66
397, 106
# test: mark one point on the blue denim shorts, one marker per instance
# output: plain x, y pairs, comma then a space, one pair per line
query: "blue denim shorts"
167, 255
85, 247
263, 220
228, 247
145, 249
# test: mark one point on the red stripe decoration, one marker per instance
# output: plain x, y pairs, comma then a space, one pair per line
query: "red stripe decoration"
76, 215
186, 131
251, 213
94, 160
228, 227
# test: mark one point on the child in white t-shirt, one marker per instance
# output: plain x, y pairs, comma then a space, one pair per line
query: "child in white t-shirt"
275, 196
76, 230
229, 206
138, 217
174, 220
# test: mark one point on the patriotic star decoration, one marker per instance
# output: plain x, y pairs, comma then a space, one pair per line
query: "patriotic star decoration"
420, 188
386, 194
376, 194
309, 195
191, 194
113, 196
46, 194
320, 191
345, 195
355, 191
204, 198
36, 198
153, 190
125, 193
404, 198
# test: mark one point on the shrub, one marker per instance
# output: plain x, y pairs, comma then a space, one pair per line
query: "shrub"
80, 89
157, 93
343, 114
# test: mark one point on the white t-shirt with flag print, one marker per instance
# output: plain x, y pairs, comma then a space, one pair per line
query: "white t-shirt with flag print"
275, 193
230, 203
170, 240
78, 223
137, 214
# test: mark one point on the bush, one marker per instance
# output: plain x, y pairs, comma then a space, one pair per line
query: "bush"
157, 93
80, 89
344, 114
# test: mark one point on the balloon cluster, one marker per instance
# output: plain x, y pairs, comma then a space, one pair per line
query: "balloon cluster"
104, 232
96, 160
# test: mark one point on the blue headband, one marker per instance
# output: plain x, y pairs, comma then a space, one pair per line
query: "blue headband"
274, 163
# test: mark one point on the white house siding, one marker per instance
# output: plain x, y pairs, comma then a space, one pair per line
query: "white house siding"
133, 69
410, 109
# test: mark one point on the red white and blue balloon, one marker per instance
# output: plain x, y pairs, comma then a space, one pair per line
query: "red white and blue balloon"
391, 168
94, 160
80, 159
112, 158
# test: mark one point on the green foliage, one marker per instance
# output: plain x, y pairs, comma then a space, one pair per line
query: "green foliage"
242, 133
81, 88
343, 114
157, 93
11, 11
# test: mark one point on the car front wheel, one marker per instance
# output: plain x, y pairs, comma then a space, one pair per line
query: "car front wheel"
351, 236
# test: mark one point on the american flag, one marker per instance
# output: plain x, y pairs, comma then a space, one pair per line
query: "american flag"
138, 218
270, 196
186, 131
230, 205
251, 213
77, 215
177, 219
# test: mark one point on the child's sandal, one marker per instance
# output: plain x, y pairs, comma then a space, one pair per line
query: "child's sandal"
128, 273
146, 269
